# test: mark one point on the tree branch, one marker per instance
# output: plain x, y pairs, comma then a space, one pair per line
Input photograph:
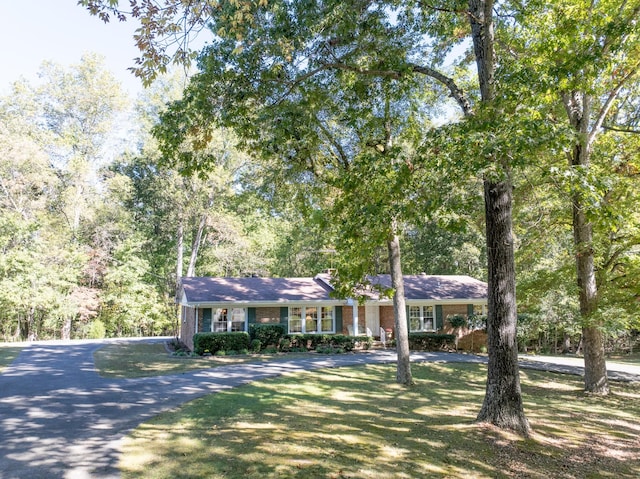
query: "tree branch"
609, 103
342, 156
456, 92
379, 73
429, 6
621, 129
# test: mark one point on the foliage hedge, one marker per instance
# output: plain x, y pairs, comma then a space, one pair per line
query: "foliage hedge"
214, 342
263, 336
311, 342
267, 334
431, 341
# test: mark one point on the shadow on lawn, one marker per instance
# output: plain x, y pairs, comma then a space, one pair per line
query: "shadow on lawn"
357, 423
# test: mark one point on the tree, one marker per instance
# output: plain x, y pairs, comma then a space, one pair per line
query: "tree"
75, 114
197, 223
38, 270
545, 259
586, 54
62, 222
356, 41
503, 400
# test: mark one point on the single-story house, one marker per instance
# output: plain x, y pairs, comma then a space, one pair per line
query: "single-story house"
305, 305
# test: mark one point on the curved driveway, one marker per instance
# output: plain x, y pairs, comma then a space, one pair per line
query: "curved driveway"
59, 419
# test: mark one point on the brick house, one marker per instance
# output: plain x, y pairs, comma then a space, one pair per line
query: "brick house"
306, 305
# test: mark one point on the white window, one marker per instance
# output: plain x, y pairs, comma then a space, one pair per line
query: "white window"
326, 319
295, 320
421, 318
479, 309
228, 320
311, 319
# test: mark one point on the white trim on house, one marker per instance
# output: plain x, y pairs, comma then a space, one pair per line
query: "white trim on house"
266, 304
228, 322
443, 302
303, 319
372, 317
425, 320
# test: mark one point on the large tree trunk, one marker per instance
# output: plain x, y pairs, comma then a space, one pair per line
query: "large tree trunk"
403, 374
595, 367
502, 404
578, 106
503, 400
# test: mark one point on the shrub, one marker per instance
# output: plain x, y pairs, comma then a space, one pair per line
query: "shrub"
344, 342
268, 334
317, 342
308, 342
97, 330
256, 345
181, 353
477, 321
457, 321
349, 343
364, 342
285, 344
214, 342
431, 342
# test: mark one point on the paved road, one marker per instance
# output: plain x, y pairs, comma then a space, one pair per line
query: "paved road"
59, 419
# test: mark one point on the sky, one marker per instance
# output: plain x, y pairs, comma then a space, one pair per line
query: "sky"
61, 31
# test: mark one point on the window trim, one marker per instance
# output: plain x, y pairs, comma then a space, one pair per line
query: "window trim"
229, 319
422, 317
319, 316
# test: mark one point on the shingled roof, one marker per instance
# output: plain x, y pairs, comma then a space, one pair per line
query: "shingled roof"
202, 290
256, 290
435, 287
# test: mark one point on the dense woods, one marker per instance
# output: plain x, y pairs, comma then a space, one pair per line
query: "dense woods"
97, 225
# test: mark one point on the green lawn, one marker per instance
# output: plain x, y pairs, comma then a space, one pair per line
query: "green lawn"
633, 358
8, 353
136, 359
357, 423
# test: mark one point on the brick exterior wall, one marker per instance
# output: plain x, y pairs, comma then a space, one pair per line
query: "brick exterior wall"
271, 315
474, 341
268, 315
453, 309
347, 320
187, 325
387, 320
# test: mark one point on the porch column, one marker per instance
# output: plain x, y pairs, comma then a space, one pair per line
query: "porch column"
354, 309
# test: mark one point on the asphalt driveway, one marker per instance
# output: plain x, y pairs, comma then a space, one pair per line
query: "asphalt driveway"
59, 419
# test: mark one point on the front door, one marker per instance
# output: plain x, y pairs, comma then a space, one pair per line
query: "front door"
372, 319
